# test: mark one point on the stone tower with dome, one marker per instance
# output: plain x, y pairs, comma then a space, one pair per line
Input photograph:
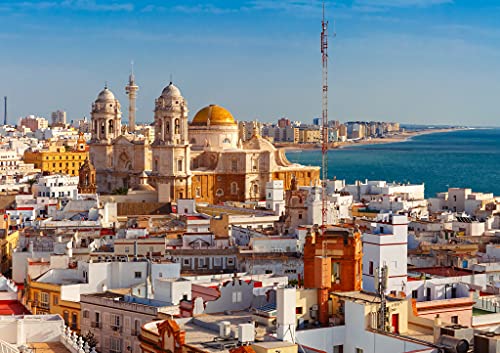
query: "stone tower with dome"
106, 117
203, 159
171, 149
119, 159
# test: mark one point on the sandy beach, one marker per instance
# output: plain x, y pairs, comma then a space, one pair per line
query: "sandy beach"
399, 137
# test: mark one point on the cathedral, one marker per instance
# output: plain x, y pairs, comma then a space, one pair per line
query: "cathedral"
203, 159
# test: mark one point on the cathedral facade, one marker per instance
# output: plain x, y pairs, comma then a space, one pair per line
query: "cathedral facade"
203, 159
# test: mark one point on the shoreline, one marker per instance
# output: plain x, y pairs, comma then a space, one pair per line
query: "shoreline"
399, 137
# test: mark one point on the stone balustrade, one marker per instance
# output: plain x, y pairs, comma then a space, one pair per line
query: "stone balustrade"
75, 343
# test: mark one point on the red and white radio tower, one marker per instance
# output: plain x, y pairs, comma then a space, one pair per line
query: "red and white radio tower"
324, 115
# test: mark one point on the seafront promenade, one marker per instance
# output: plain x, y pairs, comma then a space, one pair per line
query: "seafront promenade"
396, 137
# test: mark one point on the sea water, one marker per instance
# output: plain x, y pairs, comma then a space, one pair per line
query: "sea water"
465, 158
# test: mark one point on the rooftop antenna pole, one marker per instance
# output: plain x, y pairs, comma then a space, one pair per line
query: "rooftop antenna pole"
381, 282
324, 116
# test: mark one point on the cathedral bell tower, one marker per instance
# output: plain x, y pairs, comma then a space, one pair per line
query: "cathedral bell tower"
106, 117
106, 128
171, 149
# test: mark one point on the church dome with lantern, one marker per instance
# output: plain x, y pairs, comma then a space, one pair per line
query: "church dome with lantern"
213, 115
213, 127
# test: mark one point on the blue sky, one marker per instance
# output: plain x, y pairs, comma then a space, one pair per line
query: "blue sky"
414, 61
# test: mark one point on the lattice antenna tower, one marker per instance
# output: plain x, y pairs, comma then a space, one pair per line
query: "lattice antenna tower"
324, 119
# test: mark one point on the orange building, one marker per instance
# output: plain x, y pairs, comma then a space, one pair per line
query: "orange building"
162, 336
332, 262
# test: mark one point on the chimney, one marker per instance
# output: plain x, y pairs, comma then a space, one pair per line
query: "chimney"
437, 327
286, 306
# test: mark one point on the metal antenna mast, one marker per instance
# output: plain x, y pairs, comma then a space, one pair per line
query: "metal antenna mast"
324, 116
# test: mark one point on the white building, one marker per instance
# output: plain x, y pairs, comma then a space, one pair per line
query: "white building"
468, 226
397, 203
364, 190
275, 196
56, 186
11, 163
95, 277
358, 333
385, 244
460, 200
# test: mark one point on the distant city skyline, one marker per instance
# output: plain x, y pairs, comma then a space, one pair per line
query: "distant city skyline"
411, 61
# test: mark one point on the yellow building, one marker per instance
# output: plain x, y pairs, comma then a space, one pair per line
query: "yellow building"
310, 136
8, 242
45, 298
59, 159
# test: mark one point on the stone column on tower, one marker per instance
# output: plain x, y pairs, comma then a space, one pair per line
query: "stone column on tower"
131, 89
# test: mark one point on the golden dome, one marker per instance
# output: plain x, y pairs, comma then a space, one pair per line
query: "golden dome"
213, 115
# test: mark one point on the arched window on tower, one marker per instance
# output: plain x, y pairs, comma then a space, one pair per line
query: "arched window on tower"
255, 163
159, 130
176, 126
167, 128
103, 129
110, 127
234, 188
255, 190
179, 165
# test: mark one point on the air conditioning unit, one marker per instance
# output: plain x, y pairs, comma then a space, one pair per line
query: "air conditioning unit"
246, 333
487, 342
225, 329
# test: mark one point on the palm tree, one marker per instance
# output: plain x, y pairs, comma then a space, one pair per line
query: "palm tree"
120, 191
90, 339
31, 182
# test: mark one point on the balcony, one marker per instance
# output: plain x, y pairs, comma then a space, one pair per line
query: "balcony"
135, 332
95, 324
116, 328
